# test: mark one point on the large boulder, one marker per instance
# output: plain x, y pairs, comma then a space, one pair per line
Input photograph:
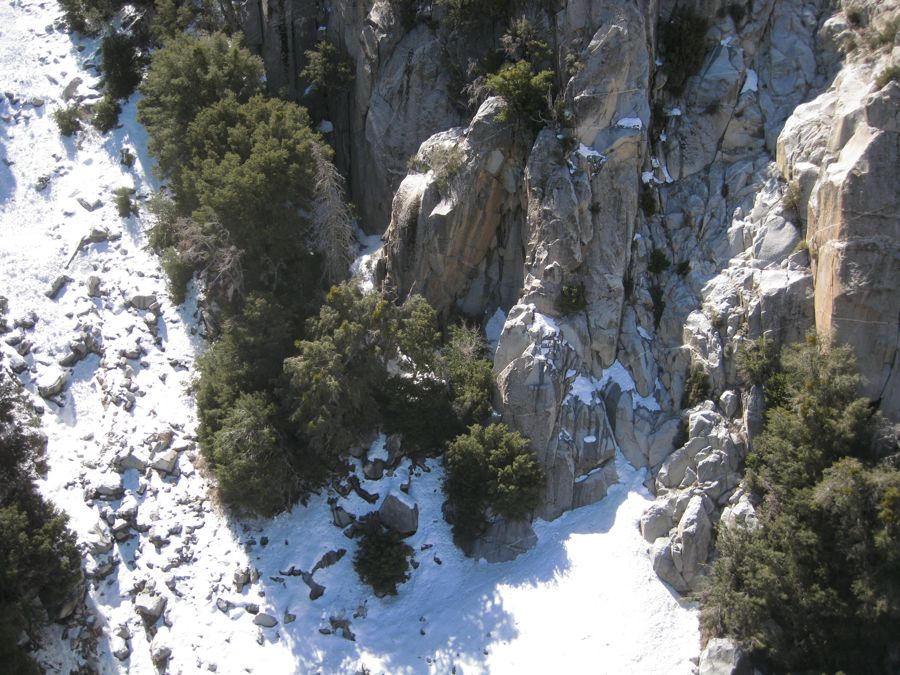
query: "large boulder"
399, 513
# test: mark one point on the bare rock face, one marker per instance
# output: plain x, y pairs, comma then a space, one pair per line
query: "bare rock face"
452, 234
852, 134
721, 656
504, 541
542, 395
399, 513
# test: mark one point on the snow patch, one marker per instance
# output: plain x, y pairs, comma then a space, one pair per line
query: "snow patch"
630, 123
751, 83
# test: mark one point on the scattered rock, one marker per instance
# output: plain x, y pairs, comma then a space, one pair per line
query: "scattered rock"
57, 286
241, 579
329, 559
265, 620
91, 205
223, 605
373, 470
139, 301
160, 653
149, 606
166, 463
70, 89
251, 608
340, 517
119, 648
93, 285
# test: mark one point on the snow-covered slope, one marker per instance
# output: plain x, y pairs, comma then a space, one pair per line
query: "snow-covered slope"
584, 600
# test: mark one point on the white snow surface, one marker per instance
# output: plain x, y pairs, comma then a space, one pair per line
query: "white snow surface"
630, 123
584, 600
494, 327
752, 81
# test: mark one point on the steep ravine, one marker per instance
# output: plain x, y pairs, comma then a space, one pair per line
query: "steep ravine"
172, 584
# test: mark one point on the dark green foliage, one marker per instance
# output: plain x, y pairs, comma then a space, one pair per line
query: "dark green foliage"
737, 11
659, 305
251, 170
647, 199
68, 120
124, 205
418, 337
696, 387
525, 91
382, 559
422, 411
253, 466
178, 273
468, 13
89, 16
683, 46
121, 65
106, 114
333, 379
659, 262
854, 16
757, 360
187, 75
572, 298
468, 372
38, 558
490, 468
327, 67
817, 586
683, 268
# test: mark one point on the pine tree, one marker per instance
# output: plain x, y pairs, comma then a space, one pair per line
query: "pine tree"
332, 231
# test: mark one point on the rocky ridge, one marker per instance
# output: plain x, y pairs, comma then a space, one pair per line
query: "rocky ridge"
754, 203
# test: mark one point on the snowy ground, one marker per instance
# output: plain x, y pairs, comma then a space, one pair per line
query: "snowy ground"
584, 600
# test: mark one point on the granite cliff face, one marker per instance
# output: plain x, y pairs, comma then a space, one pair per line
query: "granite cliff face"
759, 200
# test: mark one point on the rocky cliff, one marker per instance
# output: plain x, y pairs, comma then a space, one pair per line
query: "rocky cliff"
755, 198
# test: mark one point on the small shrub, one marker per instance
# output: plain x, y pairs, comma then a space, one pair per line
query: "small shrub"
161, 235
462, 13
121, 65
647, 199
525, 91
696, 387
326, 67
468, 371
572, 298
757, 361
124, 205
126, 157
68, 120
884, 34
178, 272
791, 198
382, 560
888, 75
712, 108
737, 12
106, 114
659, 305
444, 160
854, 16
658, 262
683, 268
490, 468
